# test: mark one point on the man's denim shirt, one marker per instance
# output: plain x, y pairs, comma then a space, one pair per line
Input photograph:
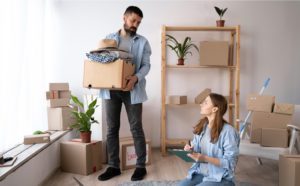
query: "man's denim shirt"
141, 51
226, 149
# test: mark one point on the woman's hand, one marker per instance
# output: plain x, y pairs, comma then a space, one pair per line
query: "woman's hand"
188, 147
198, 157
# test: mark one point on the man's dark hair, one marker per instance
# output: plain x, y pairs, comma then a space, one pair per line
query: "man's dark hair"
134, 9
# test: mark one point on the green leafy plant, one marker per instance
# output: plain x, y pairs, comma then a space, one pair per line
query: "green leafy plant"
84, 119
220, 11
181, 49
38, 132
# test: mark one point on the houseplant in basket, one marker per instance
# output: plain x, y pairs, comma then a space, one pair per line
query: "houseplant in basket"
84, 118
181, 49
221, 12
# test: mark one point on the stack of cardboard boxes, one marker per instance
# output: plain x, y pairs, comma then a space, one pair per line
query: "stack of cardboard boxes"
59, 112
269, 120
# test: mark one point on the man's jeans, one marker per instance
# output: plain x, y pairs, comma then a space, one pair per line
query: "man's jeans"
134, 113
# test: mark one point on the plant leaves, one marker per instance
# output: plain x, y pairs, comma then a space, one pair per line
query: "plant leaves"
91, 105
76, 101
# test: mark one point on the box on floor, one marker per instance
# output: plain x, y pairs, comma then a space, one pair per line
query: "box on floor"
81, 158
128, 156
289, 170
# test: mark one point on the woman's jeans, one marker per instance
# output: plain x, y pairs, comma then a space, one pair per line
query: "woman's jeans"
197, 181
134, 113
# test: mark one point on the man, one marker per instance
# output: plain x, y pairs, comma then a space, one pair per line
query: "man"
133, 96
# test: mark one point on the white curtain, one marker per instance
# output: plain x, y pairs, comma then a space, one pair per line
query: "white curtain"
22, 69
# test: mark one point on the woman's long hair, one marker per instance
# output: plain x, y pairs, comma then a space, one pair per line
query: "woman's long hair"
220, 102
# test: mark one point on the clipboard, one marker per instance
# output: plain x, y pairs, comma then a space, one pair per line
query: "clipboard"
182, 154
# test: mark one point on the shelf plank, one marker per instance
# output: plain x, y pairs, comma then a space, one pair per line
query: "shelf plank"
199, 66
200, 28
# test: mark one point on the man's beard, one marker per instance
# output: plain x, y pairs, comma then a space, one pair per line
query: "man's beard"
129, 30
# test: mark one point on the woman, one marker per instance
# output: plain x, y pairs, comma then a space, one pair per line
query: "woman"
215, 146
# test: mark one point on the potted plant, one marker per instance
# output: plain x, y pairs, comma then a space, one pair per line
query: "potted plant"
181, 49
84, 118
221, 12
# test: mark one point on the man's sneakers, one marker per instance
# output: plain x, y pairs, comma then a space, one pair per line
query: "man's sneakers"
109, 173
139, 174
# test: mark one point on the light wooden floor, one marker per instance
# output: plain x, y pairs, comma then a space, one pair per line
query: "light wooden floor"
173, 168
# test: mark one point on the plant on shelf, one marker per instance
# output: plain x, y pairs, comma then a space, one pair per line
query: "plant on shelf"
221, 12
84, 118
181, 49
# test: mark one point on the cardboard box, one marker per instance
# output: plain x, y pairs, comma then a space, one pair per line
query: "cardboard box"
64, 94
58, 86
262, 103
289, 170
177, 100
201, 97
272, 137
267, 120
81, 158
60, 118
52, 94
214, 53
61, 102
38, 138
284, 108
109, 75
128, 156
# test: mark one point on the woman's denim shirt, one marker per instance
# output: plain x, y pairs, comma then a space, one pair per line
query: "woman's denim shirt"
226, 149
141, 50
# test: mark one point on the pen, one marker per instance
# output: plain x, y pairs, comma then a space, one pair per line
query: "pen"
190, 144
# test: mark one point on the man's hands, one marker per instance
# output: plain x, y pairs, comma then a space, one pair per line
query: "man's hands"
131, 80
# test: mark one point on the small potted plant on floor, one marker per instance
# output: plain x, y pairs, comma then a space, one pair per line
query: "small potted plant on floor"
181, 49
84, 118
221, 12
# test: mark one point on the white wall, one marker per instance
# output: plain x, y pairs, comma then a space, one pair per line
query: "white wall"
270, 45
